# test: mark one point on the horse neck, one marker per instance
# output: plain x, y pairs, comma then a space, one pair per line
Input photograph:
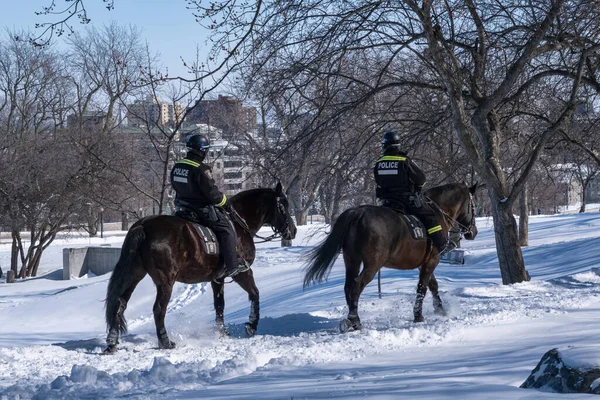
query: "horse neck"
251, 207
449, 202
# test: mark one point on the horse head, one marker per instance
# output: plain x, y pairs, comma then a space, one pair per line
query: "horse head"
457, 201
266, 206
466, 218
281, 220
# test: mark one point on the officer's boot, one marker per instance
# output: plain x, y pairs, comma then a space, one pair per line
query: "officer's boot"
441, 243
234, 264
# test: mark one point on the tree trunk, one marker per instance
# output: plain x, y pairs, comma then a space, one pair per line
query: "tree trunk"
510, 258
14, 255
124, 221
301, 217
583, 198
524, 217
92, 221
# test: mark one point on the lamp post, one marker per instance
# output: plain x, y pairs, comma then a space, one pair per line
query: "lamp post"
101, 222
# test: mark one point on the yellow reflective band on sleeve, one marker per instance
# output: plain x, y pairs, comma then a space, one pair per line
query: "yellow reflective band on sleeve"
434, 229
422, 184
392, 158
188, 162
222, 203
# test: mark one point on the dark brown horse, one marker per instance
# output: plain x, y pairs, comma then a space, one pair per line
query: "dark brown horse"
378, 236
169, 249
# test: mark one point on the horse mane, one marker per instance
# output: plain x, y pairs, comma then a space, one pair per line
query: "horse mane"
447, 193
240, 196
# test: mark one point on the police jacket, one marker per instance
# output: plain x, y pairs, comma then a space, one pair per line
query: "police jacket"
193, 183
397, 175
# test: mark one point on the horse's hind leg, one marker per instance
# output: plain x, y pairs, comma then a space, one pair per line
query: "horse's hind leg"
219, 302
354, 286
163, 295
352, 271
112, 338
246, 282
438, 308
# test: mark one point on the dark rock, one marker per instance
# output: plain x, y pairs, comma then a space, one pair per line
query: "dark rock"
552, 374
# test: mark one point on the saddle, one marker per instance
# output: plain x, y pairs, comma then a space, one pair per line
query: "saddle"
209, 241
415, 226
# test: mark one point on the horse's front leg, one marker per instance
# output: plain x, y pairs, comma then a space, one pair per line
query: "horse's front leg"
438, 307
425, 273
218, 289
246, 282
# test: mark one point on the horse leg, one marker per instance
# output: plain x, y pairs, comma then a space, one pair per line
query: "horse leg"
425, 273
112, 338
218, 289
163, 295
352, 272
246, 282
438, 308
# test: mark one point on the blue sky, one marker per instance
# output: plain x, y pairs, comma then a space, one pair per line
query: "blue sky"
171, 30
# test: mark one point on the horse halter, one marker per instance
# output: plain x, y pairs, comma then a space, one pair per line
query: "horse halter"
277, 232
285, 228
468, 227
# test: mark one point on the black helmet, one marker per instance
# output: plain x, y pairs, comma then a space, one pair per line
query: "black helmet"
200, 143
390, 139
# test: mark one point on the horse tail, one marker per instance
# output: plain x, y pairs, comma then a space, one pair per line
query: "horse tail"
322, 257
122, 278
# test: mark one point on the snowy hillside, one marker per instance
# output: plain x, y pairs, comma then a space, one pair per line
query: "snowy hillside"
52, 331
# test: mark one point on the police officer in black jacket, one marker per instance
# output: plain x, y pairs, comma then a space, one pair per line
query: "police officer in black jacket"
197, 194
399, 183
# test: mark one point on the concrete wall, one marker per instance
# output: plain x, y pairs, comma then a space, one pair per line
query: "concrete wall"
98, 260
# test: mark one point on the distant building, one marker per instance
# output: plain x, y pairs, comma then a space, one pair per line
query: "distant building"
89, 120
226, 113
152, 112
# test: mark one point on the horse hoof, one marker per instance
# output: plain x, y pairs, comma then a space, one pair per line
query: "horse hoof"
419, 318
167, 346
111, 349
440, 311
347, 325
223, 332
250, 330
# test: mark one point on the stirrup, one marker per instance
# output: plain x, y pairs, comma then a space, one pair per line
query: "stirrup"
450, 245
230, 274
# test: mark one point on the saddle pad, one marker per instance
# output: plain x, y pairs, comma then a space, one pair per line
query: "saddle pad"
416, 228
208, 239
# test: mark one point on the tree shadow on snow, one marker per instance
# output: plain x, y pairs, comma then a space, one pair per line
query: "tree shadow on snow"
287, 325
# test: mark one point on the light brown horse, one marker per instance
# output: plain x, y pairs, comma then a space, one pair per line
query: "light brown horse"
168, 249
378, 236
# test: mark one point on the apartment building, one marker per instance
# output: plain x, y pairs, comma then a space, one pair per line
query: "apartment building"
225, 113
152, 112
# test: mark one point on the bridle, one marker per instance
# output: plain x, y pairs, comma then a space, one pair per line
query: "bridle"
277, 232
462, 228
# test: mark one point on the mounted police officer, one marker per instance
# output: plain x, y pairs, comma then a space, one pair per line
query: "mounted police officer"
399, 183
198, 198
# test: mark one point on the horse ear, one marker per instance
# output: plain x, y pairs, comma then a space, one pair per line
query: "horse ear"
473, 188
279, 189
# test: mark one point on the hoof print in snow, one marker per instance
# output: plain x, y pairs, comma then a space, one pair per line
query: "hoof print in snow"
559, 374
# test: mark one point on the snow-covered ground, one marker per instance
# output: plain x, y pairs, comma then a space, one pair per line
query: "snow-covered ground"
52, 331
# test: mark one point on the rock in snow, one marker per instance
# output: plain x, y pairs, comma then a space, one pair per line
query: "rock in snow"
566, 371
